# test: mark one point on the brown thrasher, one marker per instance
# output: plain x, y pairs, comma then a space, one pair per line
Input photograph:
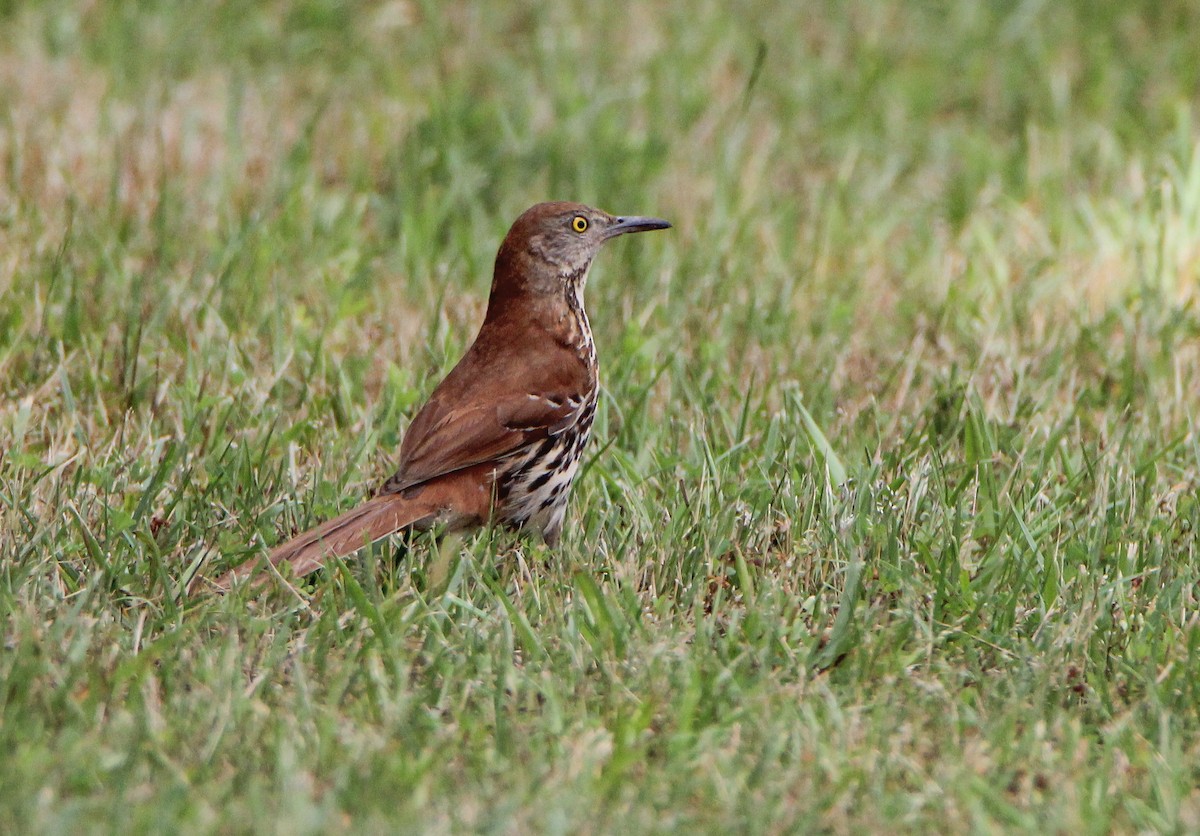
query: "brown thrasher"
501, 437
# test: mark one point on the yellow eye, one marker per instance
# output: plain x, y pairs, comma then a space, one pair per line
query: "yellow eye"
579, 223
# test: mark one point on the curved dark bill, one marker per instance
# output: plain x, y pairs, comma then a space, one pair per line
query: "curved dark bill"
635, 223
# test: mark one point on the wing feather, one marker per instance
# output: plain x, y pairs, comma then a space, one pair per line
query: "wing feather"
495, 402
472, 434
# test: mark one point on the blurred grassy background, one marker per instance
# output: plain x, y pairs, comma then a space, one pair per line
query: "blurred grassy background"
951, 249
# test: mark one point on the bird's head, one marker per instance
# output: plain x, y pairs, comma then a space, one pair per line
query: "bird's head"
551, 246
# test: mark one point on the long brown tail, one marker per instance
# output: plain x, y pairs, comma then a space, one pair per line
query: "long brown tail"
343, 535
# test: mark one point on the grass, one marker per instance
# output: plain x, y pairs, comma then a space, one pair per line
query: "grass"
890, 521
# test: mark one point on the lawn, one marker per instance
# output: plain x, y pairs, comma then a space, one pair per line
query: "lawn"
889, 520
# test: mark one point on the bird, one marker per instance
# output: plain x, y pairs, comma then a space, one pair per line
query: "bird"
501, 436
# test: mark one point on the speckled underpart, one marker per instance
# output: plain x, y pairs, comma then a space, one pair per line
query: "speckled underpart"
532, 492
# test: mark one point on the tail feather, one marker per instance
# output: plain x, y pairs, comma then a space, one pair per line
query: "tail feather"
343, 535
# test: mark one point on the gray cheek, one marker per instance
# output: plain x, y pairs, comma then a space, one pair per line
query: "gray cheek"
570, 259
542, 246
542, 249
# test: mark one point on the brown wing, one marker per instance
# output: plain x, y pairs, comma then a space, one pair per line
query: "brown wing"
475, 434
467, 422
